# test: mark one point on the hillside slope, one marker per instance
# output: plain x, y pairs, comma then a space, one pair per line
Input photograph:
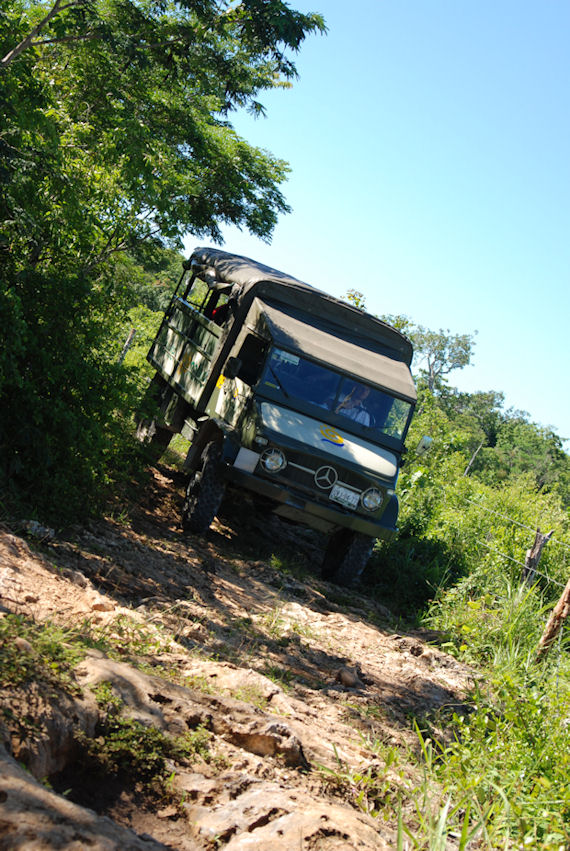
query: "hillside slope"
294, 699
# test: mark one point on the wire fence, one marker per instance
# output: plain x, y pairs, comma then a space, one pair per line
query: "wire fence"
523, 565
513, 522
536, 572
557, 623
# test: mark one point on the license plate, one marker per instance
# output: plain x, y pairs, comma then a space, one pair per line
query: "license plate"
345, 496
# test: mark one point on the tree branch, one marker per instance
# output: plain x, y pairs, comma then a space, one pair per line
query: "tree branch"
56, 9
89, 35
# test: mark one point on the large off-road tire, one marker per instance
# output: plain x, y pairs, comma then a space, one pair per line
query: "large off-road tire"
346, 556
204, 493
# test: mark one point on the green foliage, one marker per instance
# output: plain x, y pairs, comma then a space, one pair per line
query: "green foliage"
505, 444
460, 557
509, 760
370, 789
124, 745
115, 132
30, 651
441, 352
436, 352
145, 324
65, 400
135, 98
356, 298
148, 274
126, 636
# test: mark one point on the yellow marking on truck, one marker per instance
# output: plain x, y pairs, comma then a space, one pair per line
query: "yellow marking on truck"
330, 435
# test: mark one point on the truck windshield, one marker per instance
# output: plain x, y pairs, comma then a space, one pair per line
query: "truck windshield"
295, 377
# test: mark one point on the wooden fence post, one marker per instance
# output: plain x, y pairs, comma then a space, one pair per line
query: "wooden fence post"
557, 617
533, 556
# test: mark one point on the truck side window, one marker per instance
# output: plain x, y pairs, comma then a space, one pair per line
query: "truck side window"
216, 307
252, 356
195, 292
209, 299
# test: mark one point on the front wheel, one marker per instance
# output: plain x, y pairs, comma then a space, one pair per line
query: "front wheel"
204, 493
346, 556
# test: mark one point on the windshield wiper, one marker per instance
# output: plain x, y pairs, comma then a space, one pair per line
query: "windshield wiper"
279, 382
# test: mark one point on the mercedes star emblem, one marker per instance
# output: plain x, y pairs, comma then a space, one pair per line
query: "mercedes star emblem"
326, 477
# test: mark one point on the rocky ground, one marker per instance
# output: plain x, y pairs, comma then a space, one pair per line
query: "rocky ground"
303, 695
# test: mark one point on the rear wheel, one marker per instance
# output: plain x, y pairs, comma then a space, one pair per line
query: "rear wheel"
346, 556
204, 493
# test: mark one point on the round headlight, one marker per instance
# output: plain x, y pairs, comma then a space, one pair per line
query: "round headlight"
273, 460
372, 499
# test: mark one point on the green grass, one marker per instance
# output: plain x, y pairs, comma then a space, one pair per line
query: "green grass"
280, 676
123, 745
30, 651
508, 760
251, 694
175, 453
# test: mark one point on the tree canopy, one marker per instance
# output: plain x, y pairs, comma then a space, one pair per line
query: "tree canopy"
117, 112
116, 132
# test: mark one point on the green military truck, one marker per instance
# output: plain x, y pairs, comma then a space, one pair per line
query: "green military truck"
288, 395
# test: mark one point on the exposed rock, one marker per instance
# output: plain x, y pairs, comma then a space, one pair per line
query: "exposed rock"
349, 678
36, 530
34, 818
101, 605
40, 728
267, 818
23, 645
291, 688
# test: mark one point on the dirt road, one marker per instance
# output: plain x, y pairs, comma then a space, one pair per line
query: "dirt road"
305, 694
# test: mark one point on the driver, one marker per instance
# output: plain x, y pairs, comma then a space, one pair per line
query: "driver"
352, 406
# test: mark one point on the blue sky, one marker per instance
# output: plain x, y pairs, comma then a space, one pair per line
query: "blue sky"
430, 153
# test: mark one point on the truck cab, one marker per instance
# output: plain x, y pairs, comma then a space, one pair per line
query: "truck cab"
289, 395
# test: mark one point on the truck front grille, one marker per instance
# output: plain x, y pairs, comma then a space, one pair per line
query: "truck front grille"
316, 477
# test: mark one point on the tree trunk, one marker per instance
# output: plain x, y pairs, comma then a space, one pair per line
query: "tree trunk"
128, 344
475, 454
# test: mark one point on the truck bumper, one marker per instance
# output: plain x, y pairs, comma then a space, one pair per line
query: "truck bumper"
305, 511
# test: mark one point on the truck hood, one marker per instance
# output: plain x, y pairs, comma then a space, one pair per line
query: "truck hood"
318, 435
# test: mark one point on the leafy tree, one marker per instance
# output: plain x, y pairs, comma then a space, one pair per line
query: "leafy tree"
440, 353
437, 353
116, 130
131, 118
524, 447
149, 274
483, 410
356, 298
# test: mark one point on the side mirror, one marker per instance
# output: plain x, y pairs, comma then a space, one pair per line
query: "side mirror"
424, 445
232, 367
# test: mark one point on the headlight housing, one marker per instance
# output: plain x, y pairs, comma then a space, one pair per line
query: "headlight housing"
273, 460
372, 499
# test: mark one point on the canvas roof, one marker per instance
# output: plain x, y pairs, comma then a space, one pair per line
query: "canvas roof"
233, 268
256, 279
